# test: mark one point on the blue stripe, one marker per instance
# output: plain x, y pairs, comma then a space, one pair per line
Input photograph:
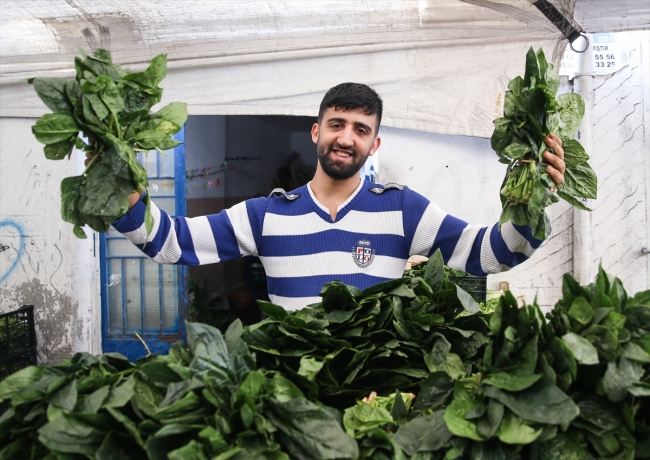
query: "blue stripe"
413, 208
188, 255
448, 236
332, 240
153, 247
501, 251
474, 260
310, 286
527, 233
224, 236
132, 220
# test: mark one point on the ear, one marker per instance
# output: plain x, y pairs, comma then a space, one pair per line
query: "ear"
314, 133
375, 146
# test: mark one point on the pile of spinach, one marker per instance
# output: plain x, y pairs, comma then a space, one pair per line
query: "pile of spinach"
111, 105
408, 369
532, 111
208, 401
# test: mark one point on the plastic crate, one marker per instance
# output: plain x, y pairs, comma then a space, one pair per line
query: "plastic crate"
17, 343
474, 285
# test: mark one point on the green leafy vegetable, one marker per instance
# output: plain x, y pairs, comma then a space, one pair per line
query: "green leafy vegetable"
531, 112
447, 383
111, 105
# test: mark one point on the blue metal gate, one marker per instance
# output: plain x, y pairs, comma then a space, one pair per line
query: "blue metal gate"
143, 301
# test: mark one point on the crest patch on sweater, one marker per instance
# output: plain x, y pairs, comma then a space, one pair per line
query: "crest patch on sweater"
363, 254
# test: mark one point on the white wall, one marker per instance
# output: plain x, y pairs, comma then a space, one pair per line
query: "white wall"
205, 147
620, 116
455, 172
42, 262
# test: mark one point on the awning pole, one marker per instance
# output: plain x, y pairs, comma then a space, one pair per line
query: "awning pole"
582, 243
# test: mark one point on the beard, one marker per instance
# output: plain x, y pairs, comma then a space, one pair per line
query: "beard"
339, 170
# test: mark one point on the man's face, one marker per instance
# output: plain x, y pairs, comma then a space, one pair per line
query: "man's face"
344, 140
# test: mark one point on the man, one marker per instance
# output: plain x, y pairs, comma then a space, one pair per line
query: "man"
337, 227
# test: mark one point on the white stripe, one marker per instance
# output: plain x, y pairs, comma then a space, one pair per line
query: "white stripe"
331, 263
170, 251
427, 230
205, 246
293, 303
458, 259
514, 240
238, 216
372, 223
489, 263
139, 235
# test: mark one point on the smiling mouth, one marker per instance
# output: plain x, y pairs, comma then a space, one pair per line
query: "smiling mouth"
341, 154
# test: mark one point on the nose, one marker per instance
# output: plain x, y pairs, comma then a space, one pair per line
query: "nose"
345, 138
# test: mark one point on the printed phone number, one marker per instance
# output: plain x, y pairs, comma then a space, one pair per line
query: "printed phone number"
605, 60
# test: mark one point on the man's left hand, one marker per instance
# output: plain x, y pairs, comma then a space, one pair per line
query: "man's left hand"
556, 165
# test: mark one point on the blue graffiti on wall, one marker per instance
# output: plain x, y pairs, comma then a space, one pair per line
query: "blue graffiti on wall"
3, 247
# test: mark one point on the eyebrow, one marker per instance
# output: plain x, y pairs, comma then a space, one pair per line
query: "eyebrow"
357, 124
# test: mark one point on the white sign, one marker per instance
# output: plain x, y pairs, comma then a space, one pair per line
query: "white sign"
605, 54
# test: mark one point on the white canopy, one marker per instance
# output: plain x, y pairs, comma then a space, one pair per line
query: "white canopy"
440, 65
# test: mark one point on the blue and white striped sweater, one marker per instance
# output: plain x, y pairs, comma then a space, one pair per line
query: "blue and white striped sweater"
301, 248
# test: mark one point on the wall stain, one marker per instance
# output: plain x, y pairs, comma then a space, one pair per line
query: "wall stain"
58, 327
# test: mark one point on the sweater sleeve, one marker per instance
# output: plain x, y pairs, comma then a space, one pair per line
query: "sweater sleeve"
476, 249
197, 240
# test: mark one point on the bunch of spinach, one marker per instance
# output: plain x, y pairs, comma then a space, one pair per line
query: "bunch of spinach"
389, 336
608, 333
515, 397
111, 105
532, 111
206, 402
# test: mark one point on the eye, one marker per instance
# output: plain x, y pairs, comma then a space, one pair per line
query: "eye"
362, 131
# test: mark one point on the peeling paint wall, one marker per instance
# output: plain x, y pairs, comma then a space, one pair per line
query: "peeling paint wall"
620, 119
41, 261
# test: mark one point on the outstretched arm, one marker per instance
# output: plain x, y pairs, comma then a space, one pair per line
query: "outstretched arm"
476, 249
193, 241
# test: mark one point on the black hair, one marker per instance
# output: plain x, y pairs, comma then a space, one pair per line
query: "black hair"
348, 96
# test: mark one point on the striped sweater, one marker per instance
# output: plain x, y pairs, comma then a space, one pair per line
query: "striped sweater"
301, 248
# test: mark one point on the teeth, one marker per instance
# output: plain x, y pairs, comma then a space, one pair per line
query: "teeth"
342, 154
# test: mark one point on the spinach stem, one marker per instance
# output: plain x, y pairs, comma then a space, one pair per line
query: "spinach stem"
92, 160
117, 126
